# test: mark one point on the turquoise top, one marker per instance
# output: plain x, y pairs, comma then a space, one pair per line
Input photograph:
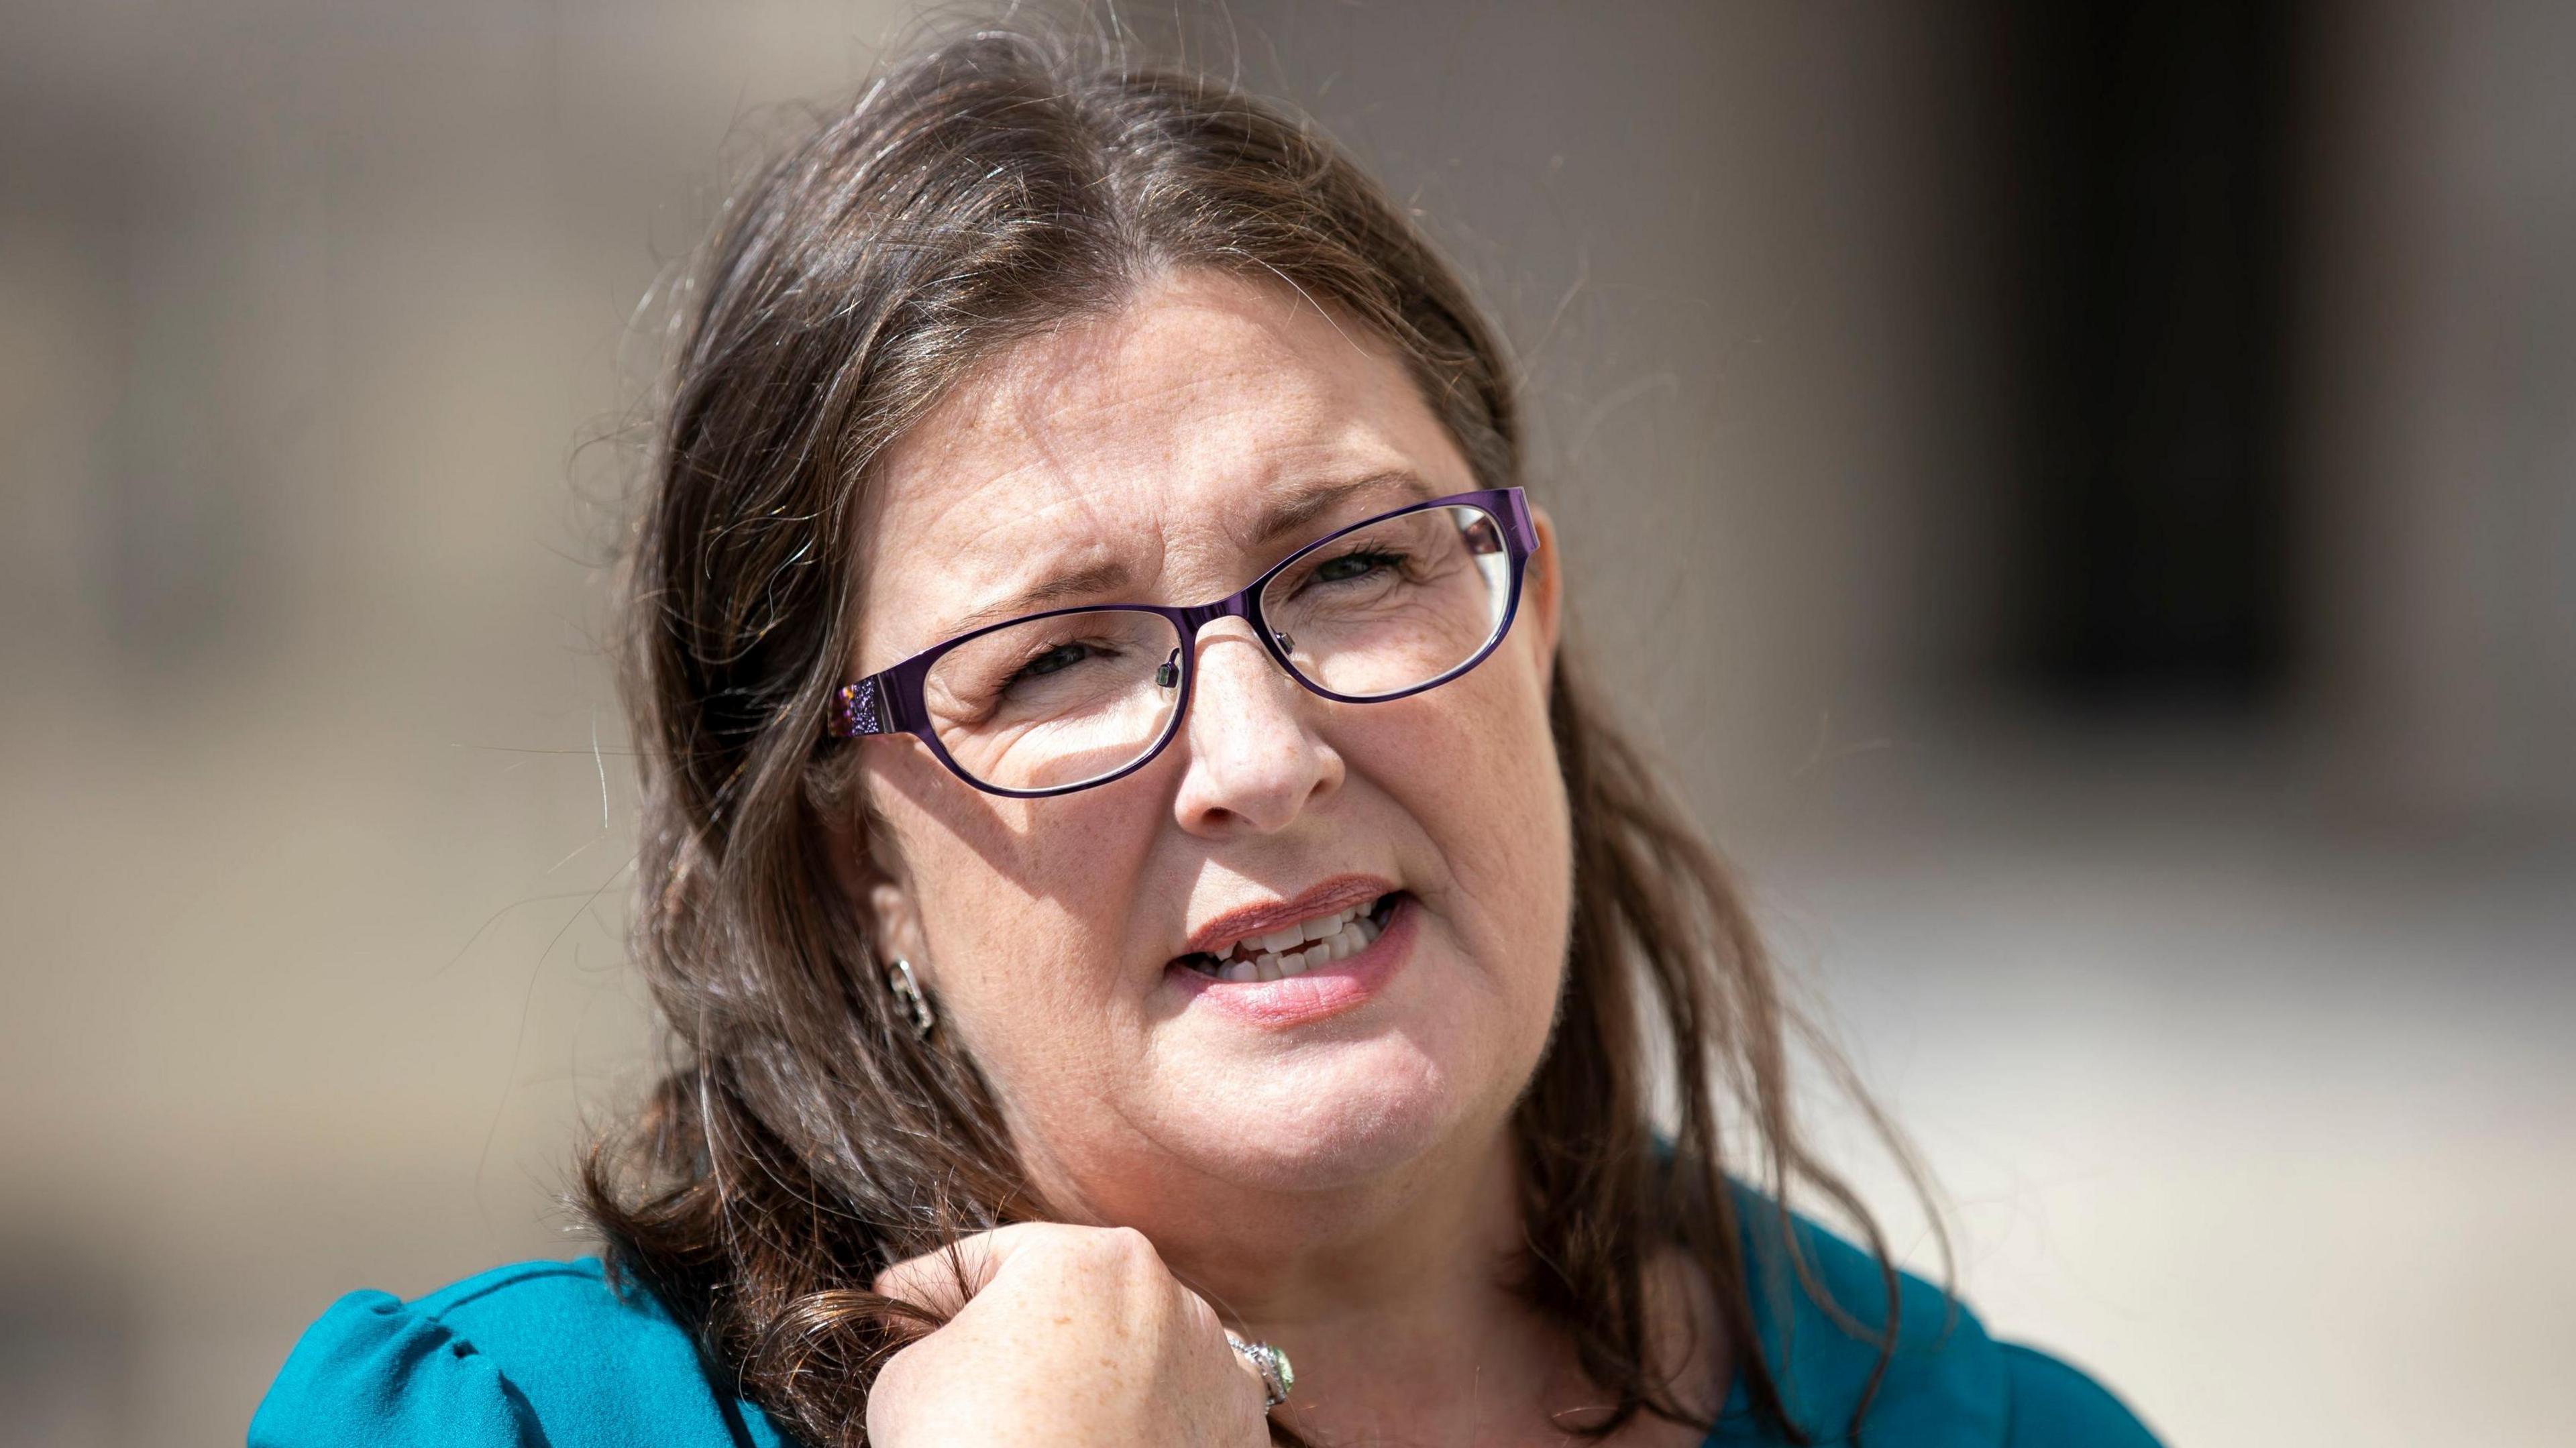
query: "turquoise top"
546, 1355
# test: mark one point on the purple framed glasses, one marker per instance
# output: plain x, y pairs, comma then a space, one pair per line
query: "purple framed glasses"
1063, 700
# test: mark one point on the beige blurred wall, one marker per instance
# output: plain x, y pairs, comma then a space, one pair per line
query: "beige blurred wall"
308, 316
2439, 448
317, 329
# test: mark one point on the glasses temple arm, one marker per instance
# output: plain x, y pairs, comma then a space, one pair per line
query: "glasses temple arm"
858, 709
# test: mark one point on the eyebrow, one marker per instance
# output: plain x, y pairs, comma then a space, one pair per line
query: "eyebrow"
1089, 581
1295, 511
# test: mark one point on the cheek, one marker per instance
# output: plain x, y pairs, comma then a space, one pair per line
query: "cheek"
1515, 860
1477, 772
1023, 920
1501, 797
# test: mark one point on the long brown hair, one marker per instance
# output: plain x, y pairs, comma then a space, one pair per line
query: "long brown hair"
990, 188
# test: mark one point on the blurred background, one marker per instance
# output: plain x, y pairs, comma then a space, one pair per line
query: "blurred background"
2083, 496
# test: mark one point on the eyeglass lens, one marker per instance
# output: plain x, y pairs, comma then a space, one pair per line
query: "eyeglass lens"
1382, 609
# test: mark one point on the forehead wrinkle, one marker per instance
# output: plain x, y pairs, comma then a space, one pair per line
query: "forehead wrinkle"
947, 539
985, 426
1005, 412
1133, 459
1031, 555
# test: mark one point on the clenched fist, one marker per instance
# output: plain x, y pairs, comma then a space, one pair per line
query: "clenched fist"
1071, 1337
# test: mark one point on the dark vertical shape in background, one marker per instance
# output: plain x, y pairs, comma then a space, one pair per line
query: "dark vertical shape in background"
2147, 201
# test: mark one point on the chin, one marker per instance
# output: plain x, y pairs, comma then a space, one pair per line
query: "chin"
1371, 1110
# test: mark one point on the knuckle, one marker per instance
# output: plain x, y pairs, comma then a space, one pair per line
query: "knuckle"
1120, 1249
1132, 1245
1049, 1244
1036, 1236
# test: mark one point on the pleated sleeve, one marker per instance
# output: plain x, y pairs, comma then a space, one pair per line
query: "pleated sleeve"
375, 1371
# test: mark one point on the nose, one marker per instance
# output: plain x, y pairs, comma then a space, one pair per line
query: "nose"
1255, 759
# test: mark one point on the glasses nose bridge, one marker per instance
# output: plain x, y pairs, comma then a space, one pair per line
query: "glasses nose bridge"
1238, 605
1243, 605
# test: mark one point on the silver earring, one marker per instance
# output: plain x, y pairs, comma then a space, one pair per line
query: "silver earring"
908, 991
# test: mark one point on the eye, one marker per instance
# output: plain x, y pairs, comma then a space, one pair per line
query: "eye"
1061, 657
1359, 563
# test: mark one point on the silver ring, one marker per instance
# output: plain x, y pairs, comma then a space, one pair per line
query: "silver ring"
1277, 1377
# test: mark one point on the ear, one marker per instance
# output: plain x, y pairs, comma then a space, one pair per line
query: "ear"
894, 923
898, 927
1543, 596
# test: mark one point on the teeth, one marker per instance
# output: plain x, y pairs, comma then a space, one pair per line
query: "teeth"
1278, 955
1352, 938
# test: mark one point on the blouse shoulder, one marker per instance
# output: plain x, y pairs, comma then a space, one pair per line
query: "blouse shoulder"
2056, 1406
536, 1355
1947, 1384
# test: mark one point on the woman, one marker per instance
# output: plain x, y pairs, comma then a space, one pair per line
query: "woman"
1164, 947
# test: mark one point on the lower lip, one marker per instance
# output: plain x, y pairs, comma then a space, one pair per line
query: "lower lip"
1326, 990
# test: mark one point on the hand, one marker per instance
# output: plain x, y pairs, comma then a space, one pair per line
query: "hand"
1072, 1337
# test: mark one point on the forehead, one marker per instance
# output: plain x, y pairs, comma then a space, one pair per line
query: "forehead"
1145, 444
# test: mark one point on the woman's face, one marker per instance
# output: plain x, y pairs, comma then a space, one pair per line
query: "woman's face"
1168, 454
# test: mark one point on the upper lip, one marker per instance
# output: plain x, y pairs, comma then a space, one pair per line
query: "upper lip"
1341, 892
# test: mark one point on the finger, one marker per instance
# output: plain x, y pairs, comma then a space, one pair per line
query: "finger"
940, 1282
1234, 1344
1202, 1317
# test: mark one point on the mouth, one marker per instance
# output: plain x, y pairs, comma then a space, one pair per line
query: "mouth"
1297, 947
